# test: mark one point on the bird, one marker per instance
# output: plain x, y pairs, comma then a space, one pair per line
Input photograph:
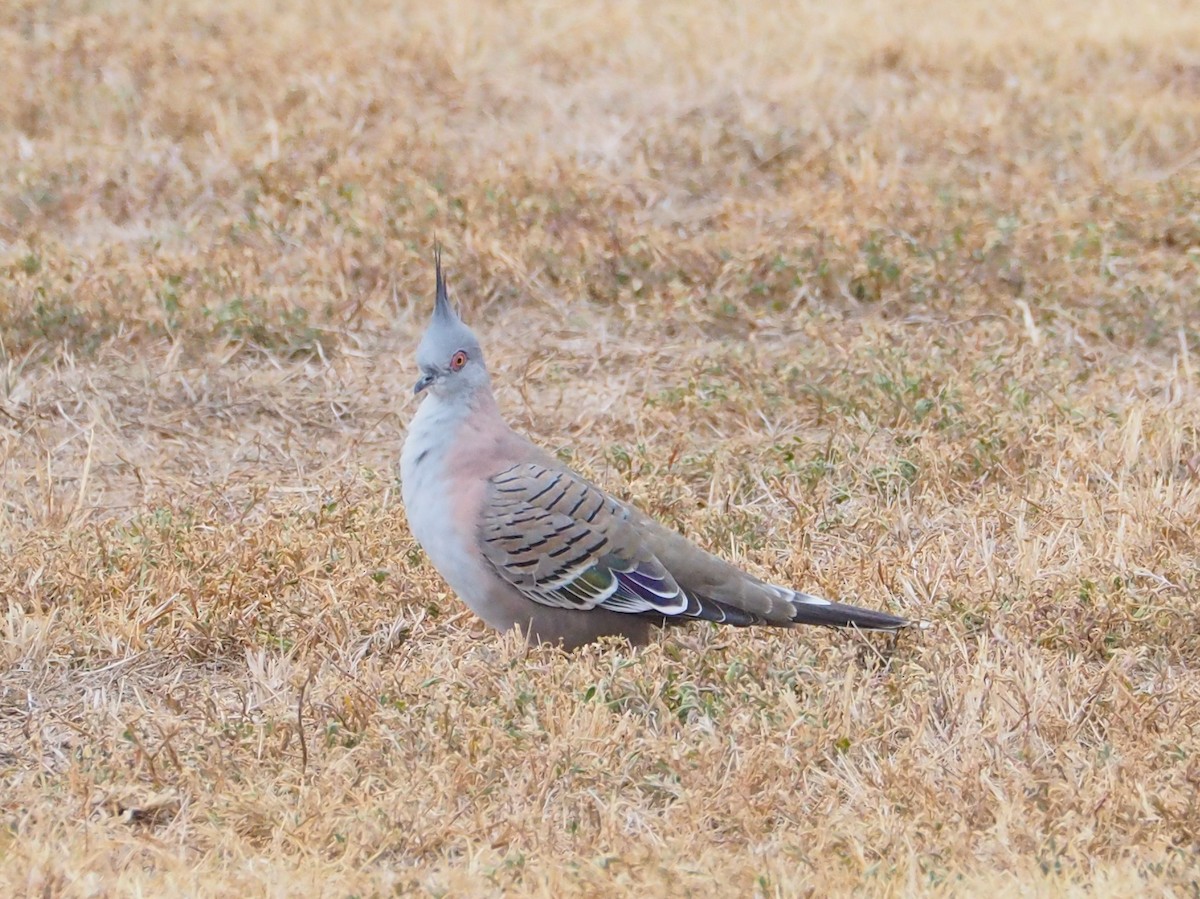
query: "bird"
527, 543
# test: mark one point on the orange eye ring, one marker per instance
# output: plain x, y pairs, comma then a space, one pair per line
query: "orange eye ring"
458, 360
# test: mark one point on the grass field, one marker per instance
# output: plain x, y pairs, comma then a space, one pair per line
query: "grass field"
898, 302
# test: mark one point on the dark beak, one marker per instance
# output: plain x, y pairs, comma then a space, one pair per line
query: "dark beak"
422, 382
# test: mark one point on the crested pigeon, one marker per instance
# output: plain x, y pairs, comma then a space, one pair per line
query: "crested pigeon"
527, 543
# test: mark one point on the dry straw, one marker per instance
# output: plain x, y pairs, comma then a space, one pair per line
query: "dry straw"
891, 301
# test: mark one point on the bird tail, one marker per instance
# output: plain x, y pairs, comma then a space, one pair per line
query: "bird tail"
814, 610
806, 609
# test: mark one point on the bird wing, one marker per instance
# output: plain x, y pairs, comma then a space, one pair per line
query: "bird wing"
565, 543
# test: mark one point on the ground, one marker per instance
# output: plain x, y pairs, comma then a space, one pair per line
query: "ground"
897, 302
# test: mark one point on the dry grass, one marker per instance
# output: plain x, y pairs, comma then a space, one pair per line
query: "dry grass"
894, 301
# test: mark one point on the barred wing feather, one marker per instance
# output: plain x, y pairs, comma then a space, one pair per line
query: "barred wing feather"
564, 543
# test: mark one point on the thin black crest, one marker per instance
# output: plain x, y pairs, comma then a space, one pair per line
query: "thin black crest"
441, 305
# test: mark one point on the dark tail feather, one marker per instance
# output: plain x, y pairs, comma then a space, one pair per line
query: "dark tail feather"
813, 610
808, 610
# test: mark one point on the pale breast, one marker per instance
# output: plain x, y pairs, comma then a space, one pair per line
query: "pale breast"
442, 511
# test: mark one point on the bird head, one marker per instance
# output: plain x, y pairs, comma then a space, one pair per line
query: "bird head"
449, 356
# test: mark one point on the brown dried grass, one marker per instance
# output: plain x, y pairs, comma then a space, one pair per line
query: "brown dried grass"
895, 301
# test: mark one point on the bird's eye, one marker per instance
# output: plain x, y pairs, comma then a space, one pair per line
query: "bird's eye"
458, 360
